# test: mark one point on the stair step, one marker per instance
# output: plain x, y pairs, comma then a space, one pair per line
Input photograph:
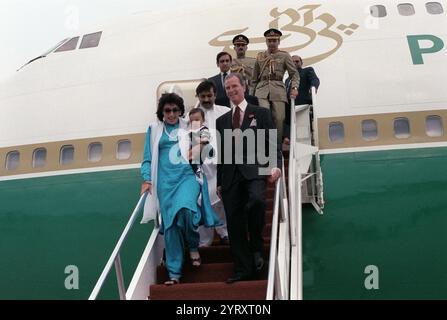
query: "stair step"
243, 290
208, 272
267, 231
207, 282
265, 235
219, 254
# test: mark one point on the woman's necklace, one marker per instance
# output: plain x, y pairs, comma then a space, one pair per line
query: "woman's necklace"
172, 137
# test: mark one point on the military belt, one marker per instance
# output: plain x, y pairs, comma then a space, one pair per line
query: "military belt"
271, 77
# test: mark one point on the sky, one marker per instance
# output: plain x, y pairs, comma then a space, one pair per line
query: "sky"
28, 28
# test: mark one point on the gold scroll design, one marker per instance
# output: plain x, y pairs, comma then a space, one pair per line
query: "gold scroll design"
308, 16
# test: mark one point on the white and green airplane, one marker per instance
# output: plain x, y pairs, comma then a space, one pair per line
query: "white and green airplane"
73, 123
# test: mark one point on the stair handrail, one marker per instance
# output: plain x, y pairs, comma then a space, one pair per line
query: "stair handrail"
316, 143
277, 286
115, 258
272, 282
295, 185
292, 173
296, 259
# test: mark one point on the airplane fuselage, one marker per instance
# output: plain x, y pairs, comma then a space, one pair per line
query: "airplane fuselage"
380, 113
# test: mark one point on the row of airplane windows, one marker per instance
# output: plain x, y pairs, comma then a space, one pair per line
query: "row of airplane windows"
406, 9
370, 132
66, 155
401, 126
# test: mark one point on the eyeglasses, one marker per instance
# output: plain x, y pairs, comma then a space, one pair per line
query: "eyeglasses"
169, 110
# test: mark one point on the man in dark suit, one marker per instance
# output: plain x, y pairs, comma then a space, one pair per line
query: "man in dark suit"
223, 61
225, 101
308, 79
242, 174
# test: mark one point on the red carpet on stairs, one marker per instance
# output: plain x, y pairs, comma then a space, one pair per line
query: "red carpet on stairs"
207, 282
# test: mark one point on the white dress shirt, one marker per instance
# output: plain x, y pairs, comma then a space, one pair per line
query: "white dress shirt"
210, 165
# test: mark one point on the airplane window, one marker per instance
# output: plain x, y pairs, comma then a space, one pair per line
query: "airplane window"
124, 150
434, 8
369, 130
401, 128
12, 160
378, 11
55, 47
433, 126
90, 40
69, 45
406, 9
336, 132
95, 152
39, 157
67, 155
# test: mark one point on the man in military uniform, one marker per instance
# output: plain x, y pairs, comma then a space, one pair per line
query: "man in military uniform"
268, 75
242, 64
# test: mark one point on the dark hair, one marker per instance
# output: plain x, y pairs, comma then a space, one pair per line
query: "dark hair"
205, 86
197, 110
169, 98
220, 54
237, 75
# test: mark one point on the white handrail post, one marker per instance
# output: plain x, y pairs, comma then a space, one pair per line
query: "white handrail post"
120, 278
279, 295
296, 290
284, 196
299, 240
292, 173
320, 197
273, 260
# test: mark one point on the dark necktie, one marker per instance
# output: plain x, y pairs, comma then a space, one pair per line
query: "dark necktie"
224, 75
237, 118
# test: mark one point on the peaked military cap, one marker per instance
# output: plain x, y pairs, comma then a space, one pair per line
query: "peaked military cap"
273, 34
240, 38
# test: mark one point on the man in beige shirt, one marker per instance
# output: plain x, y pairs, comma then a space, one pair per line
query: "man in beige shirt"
268, 75
242, 64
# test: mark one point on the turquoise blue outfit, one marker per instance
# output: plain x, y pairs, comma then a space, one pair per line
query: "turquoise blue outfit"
178, 191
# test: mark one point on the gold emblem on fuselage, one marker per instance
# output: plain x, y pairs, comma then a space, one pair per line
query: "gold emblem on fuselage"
304, 22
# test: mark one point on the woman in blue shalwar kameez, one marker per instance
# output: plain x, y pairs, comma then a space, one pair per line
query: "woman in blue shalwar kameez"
172, 185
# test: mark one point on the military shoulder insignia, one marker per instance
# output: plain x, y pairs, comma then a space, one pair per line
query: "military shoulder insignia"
262, 55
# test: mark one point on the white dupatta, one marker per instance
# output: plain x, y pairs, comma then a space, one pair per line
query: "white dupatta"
152, 205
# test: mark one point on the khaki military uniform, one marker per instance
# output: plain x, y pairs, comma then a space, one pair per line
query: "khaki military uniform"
268, 85
245, 67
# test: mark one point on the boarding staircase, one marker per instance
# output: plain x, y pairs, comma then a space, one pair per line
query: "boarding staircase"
281, 277
207, 282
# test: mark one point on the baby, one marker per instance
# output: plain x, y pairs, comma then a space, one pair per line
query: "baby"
199, 139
